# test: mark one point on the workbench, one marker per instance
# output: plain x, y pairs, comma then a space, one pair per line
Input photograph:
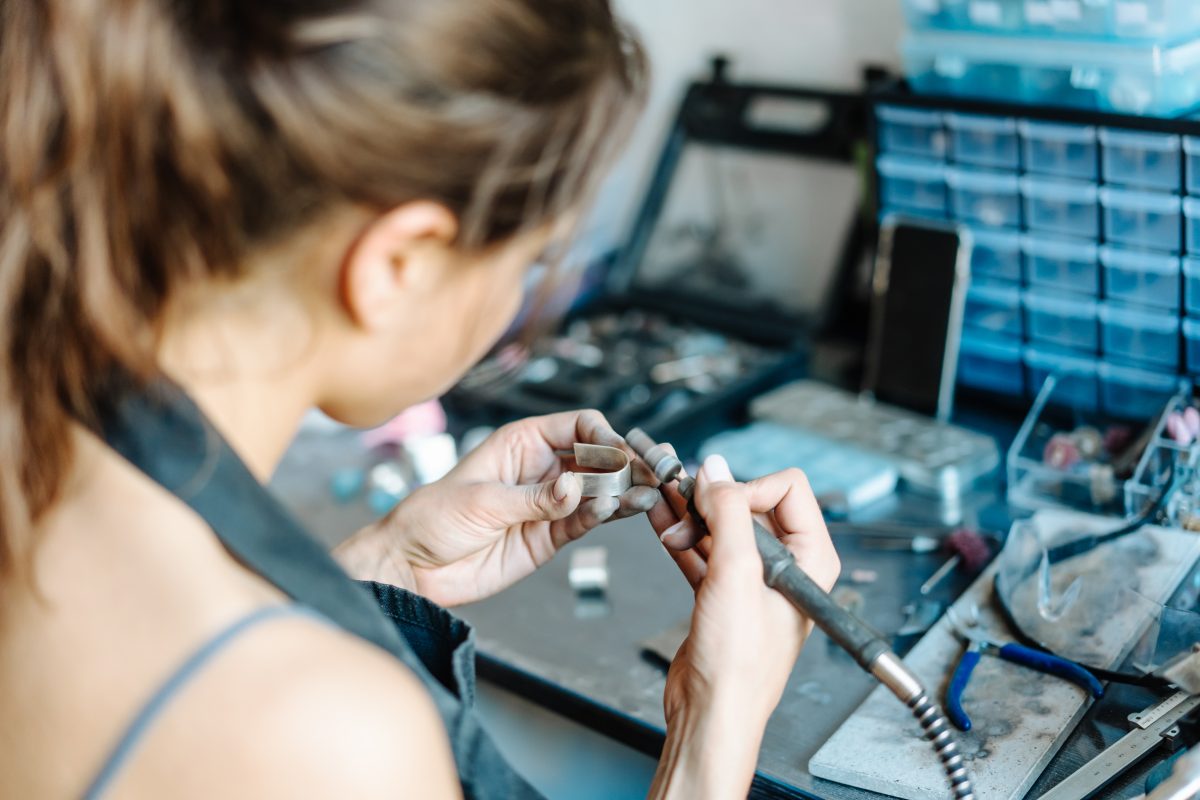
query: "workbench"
532, 641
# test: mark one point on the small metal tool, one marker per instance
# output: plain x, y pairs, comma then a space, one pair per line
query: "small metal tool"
783, 574
979, 644
1152, 727
617, 477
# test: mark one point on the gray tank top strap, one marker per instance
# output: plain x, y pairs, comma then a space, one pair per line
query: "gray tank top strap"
177, 682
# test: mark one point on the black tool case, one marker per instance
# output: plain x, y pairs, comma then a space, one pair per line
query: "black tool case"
705, 306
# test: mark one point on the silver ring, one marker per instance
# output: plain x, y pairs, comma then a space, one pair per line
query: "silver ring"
614, 481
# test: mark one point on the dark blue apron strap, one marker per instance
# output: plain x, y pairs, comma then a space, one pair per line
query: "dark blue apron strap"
161, 432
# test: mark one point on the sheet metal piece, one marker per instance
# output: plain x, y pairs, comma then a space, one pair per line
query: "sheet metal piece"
614, 481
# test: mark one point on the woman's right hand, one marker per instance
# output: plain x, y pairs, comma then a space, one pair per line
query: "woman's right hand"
731, 671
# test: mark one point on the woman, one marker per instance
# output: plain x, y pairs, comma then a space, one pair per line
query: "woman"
216, 215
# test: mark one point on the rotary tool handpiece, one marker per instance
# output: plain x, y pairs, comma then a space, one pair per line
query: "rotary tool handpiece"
784, 575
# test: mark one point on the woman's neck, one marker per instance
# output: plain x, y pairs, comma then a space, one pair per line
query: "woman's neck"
251, 379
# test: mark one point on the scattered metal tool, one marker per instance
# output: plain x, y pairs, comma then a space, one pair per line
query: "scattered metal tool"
979, 644
1152, 727
782, 573
588, 571
617, 477
588, 577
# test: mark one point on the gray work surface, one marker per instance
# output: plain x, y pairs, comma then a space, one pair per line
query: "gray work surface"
532, 642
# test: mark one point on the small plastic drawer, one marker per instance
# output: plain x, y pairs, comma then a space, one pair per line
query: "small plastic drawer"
1191, 345
994, 309
1141, 278
991, 364
987, 198
1068, 151
912, 184
1063, 321
996, 254
1068, 17
911, 131
1191, 285
1143, 219
1062, 265
1070, 208
1078, 386
1191, 148
1155, 20
1133, 393
1143, 337
1191, 216
991, 15
984, 141
1144, 78
925, 14
1140, 158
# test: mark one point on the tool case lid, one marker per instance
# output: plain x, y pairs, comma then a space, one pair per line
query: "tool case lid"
753, 214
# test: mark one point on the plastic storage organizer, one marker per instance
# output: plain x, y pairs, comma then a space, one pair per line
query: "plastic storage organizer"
1117, 20
1117, 76
1086, 258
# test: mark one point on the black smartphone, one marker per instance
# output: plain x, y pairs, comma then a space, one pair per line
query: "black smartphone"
919, 290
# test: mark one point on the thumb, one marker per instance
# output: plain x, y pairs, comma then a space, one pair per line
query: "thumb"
540, 502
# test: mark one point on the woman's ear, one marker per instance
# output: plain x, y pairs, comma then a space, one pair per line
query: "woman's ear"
401, 254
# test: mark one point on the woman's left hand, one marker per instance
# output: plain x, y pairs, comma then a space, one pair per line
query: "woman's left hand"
505, 510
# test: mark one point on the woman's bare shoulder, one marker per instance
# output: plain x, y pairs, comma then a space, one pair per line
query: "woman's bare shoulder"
301, 709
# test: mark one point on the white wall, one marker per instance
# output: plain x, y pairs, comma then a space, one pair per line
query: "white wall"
817, 42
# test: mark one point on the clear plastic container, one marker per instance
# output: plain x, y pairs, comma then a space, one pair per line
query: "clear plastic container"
1063, 321
922, 14
1141, 158
1143, 219
1068, 151
994, 309
911, 131
987, 198
1191, 151
1078, 384
1062, 265
908, 183
1141, 278
1191, 216
1134, 20
1070, 208
996, 254
1191, 345
1133, 393
991, 364
1142, 337
1068, 17
984, 141
1156, 20
1191, 285
1144, 78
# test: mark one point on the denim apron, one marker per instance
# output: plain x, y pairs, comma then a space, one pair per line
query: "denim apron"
162, 433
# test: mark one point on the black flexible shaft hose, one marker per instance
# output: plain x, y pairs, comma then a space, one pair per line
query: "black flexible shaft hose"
783, 574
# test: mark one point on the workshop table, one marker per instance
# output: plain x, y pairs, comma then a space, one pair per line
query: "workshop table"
536, 642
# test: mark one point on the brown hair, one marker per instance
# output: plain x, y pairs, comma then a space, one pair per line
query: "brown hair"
150, 143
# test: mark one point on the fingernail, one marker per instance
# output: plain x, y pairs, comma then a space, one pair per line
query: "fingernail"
672, 531
605, 507
562, 486
716, 468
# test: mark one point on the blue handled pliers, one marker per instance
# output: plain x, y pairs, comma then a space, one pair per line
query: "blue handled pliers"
978, 644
